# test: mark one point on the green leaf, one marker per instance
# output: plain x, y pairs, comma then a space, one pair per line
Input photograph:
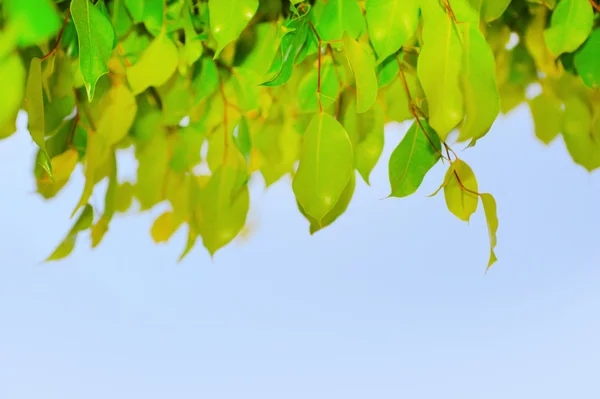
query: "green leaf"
13, 76
291, 46
461, 196
491, 217
35, 111
387, 71
581, 133
83, 223
366, 133
153, 163
339, 16
587, 60
363, 67
439, 69
33, 20
136, 9
118, 113
571, 24
96, 38
417, 153
101, 227
156, 65
391, 24
326, 164
222, 208
228, 18
207, 81
547, 116
265, 47
493, 9
482, 99
120, 18
337, 211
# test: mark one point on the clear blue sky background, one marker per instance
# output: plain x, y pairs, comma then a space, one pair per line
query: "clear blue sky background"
391, 301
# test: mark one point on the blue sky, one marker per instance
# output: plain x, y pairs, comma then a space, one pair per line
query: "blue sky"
390, 301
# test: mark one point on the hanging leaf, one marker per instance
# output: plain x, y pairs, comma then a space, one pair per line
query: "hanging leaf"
491, 217
571, 24
391, 24
439, 67
339, 16
587, 60
326, 164
156, 65
547, 117
417, 153
363, 66
83, 223
460, 190
228, 18
96, 37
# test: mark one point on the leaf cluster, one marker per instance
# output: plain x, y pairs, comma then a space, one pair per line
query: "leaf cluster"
210, 93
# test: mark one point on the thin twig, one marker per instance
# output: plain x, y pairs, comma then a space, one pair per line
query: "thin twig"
60, 35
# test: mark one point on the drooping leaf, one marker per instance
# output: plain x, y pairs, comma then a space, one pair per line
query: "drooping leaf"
13, 75
571, 23
460, 190
339, 16
547, 116
96, 37
118, 112
33, 20
587, 60
326, 163
482, 99
391, 24
363, 66
228, 18
83, 223
417, 153
491, 217
439, 66
156, 65
163, 227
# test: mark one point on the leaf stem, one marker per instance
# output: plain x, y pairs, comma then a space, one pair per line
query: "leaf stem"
60, 35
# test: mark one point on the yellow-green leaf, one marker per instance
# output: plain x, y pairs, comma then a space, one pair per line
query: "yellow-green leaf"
491, 217
153, 163
163, 227
83, 223
547, 116
13, 87
339, 16
391, 24
581, 133
363, 66
482, 99
96, 39
118, 113
156, 65
228, 18
460, 190
417, 153
493, 9
439, 69
570, 24
326, 164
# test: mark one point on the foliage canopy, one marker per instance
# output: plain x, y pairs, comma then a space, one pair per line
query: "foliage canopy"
276, 87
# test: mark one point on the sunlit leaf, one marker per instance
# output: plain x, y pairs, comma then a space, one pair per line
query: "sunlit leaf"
391, 24
156, 65
228, 18
491, 217
460, 190
363, 66
571, 23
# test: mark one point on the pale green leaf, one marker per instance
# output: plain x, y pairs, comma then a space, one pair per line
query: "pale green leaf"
156, 65
482, 99
326, 164
439, 69
363, 66
308, 97
339, 16
118, 112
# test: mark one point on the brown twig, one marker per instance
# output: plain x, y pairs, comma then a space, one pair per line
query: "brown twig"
594, 5
60, 35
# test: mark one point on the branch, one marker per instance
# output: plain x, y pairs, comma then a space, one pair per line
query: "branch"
60, 35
